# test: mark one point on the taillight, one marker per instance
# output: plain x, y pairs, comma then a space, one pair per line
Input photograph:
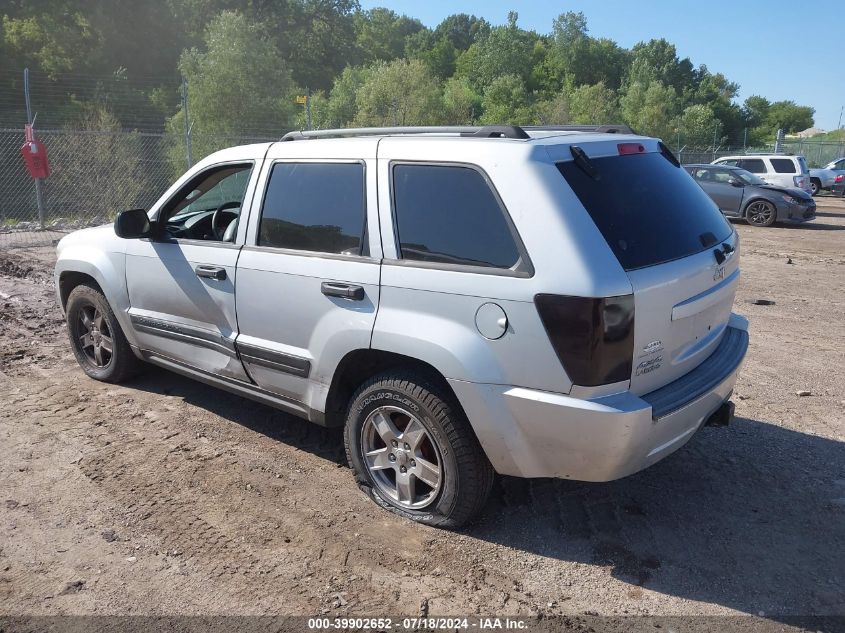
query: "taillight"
798, 180
593, 338
839, 178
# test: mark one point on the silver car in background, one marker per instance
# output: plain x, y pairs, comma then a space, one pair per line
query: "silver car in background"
740, 194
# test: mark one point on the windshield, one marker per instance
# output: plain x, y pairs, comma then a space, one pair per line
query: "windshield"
748, 178
648, 210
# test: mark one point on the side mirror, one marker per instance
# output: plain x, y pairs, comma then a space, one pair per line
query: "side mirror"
736, 182
132, 224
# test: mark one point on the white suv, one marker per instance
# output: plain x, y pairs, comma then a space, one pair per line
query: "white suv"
463, 301
782, 170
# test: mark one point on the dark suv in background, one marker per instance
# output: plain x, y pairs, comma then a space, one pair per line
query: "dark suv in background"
740, 194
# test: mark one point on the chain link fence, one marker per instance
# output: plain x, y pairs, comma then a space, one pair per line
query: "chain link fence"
94, 175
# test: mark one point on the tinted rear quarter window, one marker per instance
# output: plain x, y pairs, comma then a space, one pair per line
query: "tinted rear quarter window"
449, 214
754, 165
648, 210
783, 165
314, 207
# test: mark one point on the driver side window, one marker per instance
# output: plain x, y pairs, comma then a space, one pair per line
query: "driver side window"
208, 207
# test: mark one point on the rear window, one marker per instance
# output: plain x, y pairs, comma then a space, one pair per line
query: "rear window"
783, 165
648, 210
803, 163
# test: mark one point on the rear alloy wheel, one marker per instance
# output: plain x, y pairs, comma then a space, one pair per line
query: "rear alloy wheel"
98, 343
815, 186
413, 450
761, 213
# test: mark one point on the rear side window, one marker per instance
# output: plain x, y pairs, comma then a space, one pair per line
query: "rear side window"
754, 165
314, 207
783, 165
648, 210
449, 215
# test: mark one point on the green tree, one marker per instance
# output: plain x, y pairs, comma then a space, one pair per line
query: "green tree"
52, 36
507, 50
657, 60
594, 104
698, 126
382, 33
506, 102
555, 110
343, 106
402, 92
462, 103
650, 108
237, 86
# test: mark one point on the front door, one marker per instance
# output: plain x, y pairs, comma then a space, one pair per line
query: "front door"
181, 283
726, 195
308, 277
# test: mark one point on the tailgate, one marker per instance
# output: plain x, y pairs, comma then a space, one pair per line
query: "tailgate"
682, 309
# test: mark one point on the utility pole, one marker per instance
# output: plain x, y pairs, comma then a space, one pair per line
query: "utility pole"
839, 125
39, 194
188, 126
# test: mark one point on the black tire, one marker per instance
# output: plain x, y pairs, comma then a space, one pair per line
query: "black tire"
108, 366
815, 186
465, 474
760, 213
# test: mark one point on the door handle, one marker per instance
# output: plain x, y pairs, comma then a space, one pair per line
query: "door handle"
345, 291
211, 272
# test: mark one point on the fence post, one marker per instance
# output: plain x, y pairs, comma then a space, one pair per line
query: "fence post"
188, 149
39, 194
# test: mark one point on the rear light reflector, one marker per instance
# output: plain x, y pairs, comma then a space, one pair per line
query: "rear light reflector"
593, 338
630, 148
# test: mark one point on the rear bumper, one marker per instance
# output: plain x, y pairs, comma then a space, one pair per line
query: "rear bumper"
528, 433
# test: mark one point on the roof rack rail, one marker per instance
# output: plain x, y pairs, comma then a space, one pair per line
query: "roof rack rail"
620, 128
487, 131
483, 131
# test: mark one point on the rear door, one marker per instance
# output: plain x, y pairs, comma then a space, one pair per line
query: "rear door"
308, 276
680, 255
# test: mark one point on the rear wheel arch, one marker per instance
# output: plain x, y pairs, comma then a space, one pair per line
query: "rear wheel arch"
360, 365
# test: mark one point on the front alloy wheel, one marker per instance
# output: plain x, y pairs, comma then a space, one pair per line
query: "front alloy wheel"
94, 336
761, 213
98, 343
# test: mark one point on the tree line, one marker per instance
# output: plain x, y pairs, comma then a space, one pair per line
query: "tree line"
246, 60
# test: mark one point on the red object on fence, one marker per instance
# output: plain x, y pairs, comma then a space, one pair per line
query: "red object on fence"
34, 154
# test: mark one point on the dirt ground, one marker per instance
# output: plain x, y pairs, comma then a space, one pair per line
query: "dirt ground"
164, 496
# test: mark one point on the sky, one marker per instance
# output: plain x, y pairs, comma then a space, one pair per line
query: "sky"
780, 49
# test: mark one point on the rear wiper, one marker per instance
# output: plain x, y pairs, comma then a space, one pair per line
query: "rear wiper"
584, 164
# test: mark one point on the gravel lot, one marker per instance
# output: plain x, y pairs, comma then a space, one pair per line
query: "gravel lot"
164, 496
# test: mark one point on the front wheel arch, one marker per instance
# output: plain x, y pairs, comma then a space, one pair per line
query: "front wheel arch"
70, 279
